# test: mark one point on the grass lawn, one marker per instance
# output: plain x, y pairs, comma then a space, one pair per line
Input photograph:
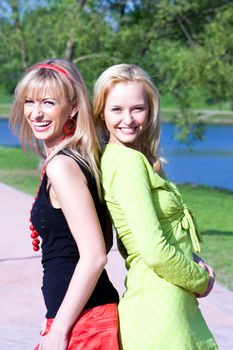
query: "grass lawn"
19, 170
212, 208
213, 211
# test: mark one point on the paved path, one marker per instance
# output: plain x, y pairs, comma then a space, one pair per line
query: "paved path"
21, 305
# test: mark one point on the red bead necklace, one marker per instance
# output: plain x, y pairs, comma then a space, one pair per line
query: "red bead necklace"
34, 233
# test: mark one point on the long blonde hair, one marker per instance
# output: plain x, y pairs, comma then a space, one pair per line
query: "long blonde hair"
125, 73
83, 144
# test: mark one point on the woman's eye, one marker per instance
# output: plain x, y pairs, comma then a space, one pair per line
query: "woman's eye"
138, 109
48, 102
115, 109
27, 101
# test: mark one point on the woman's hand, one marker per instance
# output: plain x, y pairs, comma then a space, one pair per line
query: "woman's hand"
54, 341
211, 282
211, 272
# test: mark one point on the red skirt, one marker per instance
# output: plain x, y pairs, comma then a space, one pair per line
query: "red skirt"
95, 329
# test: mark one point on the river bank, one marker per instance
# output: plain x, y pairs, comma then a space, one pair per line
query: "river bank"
206, 115
208, 162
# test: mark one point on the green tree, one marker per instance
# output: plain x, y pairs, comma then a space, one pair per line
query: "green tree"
186, 46
175, 42
64, 28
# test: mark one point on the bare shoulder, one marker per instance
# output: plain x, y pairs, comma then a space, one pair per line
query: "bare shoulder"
65, 167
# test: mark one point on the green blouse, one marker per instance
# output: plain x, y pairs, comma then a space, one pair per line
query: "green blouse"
152, 222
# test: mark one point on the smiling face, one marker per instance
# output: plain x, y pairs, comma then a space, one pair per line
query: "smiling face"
47, 115
126, 113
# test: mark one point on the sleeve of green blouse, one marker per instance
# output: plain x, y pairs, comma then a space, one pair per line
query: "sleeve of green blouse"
131, 188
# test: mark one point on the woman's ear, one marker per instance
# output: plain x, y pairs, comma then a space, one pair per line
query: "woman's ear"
74, 110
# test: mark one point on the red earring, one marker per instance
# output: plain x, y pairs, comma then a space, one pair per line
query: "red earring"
69, 127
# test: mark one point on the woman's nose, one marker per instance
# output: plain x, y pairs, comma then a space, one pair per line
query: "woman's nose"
37, 111
127, 117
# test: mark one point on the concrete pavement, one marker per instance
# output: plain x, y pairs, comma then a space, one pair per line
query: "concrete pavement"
21, 304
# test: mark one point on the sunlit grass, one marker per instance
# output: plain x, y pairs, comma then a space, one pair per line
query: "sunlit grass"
213, 211
19, 170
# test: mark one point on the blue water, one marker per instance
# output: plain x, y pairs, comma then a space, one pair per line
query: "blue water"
6, 136
210, 162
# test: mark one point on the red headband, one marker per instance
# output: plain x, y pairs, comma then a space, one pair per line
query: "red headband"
52, 67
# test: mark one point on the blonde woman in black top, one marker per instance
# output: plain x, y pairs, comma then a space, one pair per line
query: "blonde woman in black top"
51, 113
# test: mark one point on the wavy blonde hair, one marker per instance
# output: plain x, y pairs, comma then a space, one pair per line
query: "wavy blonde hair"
83, 144
129, 73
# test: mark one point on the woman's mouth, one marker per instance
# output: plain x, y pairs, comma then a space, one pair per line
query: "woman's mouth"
128, 130
41, 126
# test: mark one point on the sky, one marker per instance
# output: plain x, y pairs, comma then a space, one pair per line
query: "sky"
24, 5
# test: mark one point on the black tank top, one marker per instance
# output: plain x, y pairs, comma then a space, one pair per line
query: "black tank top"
60, 252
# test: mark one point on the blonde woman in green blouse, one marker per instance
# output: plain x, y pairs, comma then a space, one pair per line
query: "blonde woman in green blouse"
156, 231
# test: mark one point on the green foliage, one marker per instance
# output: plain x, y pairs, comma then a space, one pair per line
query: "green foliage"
185, 46
217, 58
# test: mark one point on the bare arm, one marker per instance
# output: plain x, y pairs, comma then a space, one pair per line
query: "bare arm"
69, 190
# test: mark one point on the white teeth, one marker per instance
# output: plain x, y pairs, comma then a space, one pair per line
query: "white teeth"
40, 124
129, 128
